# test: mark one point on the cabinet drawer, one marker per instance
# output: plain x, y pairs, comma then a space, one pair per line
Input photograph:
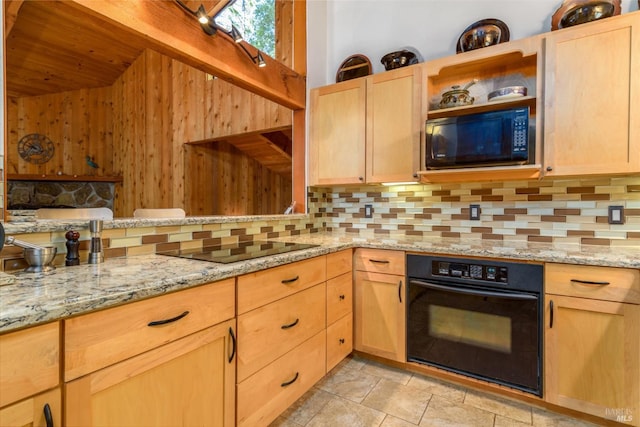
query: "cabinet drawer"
339, 263
269, 332
339, 340
339, 297
380, 261
603, 283
266, 394
99, 339
30, 362
260, 288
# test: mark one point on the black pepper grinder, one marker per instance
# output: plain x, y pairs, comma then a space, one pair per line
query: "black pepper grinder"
72, 244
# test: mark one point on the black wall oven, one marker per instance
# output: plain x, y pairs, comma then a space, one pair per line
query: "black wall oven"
477, 318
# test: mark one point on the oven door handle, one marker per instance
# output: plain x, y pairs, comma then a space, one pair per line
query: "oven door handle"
477, 292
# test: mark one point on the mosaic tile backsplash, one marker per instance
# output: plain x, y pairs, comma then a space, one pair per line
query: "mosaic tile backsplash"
121, 242
549, 211
552, 211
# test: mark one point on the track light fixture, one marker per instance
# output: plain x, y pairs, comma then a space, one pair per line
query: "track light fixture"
258, 59
235, 34
209, 26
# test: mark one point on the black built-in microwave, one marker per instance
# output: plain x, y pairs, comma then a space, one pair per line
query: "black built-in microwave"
484, 139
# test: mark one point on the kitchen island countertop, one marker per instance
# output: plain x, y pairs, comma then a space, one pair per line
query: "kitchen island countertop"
34, 298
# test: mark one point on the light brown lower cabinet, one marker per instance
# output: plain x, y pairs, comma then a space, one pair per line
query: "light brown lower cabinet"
42, 410
267, 393
380, 320
30, 377
592, 341
339, 306
339, 340
592, 357
187, 382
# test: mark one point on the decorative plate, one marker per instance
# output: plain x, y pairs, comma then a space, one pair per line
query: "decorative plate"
36, 148
483, 33
575, 12
353, 67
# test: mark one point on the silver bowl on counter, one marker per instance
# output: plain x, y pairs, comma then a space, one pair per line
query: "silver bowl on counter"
39, 259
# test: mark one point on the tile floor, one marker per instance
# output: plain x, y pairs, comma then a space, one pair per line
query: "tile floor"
360, 392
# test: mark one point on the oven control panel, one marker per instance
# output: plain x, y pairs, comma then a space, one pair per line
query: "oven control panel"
490, 273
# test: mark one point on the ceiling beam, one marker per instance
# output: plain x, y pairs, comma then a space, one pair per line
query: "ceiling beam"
167, 29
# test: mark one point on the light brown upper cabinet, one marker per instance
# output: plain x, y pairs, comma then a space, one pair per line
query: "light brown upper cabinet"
366, 130
592, 114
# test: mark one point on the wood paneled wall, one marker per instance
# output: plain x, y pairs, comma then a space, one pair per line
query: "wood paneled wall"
143, 133
79, 123
223, 181
137, 129
207, 108
160, 104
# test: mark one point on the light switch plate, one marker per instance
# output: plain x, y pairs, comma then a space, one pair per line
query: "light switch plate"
616, 214
474, 212
368, 211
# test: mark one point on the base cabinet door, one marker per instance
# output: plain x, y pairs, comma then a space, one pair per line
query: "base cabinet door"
187, 382
339, 341
380, 320
43, 410
592, 357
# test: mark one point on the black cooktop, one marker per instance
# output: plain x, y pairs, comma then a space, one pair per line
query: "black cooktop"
240, 251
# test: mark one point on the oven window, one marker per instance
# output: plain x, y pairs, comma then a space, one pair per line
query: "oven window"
483, 330
487, 336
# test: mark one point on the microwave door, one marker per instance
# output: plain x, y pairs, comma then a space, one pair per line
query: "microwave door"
442, 144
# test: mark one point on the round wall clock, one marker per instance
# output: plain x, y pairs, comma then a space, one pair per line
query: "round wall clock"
36, 148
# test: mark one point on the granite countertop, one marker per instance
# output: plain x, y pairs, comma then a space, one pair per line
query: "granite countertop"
33, 298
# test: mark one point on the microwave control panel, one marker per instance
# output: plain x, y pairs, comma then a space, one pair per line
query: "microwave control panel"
520, 134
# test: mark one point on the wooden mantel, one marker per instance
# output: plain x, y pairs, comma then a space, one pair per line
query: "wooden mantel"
63, 178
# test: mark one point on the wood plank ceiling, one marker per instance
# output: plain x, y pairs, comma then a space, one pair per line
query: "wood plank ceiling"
53, 48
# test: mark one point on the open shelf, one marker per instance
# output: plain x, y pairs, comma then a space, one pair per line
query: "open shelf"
54, 177
492, 173
523, 101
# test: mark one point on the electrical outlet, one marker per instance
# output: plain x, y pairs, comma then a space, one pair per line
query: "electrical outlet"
616, 214
368, 211
474, 212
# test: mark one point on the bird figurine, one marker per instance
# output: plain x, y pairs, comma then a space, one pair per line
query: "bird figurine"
92, 163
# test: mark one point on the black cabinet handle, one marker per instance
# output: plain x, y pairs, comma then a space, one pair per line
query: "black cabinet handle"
551, 314
341, 297
400, 291
290, 325
287, 281
590, 282
549, 168
48, 417
286, 383
165, 321
379, 261
233, 341
341, 340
